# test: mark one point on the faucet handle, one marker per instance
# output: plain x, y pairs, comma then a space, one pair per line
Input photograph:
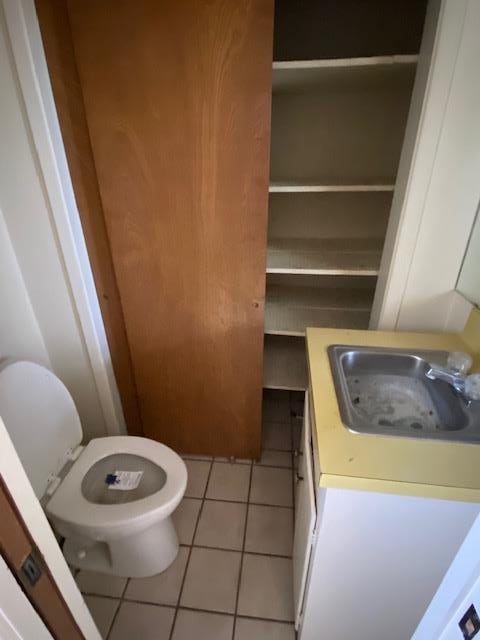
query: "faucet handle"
459, 361
472, 386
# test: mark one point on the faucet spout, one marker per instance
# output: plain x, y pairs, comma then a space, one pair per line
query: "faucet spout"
450, 376
468, 386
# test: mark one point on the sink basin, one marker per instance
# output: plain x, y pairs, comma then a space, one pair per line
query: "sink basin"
386, 392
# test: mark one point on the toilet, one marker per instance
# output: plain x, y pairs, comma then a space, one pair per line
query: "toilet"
110, 524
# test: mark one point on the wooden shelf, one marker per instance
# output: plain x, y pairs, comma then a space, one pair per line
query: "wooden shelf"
289, 310
334, 63
359, 73
346, 257
285, 363
337, 132
297, 187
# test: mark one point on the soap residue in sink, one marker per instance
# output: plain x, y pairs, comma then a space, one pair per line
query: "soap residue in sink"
395, 401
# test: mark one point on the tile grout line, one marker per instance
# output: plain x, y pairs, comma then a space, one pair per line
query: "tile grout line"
242, 554
185, 608
177, 606
232, 615
120, 602
246, 464
230, 550
257, 504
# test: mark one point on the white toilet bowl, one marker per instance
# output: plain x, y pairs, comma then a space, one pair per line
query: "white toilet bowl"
123, 532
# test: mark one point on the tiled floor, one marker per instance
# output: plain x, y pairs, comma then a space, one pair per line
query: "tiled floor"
232, 579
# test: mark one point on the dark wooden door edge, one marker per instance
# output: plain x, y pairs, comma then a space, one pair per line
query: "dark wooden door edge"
16, 546
56, 35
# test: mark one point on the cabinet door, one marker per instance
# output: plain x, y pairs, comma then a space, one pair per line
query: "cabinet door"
177, 98
305, 516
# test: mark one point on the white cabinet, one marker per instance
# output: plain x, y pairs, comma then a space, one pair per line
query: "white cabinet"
305, 516
367, 564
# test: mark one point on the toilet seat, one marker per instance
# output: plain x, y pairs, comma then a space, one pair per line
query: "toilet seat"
110, 521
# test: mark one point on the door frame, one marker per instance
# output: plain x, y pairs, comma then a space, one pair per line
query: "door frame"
435, 199
34, 86
38, 529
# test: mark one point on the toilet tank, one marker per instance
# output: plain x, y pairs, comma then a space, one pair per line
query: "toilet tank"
41, 419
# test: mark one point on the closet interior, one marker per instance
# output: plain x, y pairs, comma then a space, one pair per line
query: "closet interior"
343, 75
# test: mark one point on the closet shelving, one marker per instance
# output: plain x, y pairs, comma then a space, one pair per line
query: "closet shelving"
337, 132
298, 302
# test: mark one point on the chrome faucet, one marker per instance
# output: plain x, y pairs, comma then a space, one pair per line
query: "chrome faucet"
454, 374
454, 378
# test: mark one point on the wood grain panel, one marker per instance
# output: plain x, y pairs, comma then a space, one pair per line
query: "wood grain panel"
16, 544
57, 41
177, 96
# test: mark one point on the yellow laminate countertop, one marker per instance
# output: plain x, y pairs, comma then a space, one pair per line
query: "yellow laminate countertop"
410, 466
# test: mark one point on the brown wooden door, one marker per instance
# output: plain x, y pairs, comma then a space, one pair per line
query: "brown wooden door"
177, 102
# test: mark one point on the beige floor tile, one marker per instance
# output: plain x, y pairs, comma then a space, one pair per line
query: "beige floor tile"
275, 459
197, 478
211, 581
163, 588
234, 460
271, 486
277, 435
276, 406
100, 584
266, 589
103, 611
269, 530
229, 481
221, 525
136, 621
185, 518
247, 629
197, 625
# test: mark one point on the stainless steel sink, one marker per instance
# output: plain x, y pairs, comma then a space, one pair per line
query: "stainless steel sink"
386, 392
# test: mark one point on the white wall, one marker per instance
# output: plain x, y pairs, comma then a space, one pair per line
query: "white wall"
438, 188
469, 280
39, 317
20, 335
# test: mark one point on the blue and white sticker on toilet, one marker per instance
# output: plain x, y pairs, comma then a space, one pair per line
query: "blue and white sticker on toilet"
124, 480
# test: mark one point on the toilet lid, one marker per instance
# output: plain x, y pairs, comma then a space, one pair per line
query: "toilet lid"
40, 417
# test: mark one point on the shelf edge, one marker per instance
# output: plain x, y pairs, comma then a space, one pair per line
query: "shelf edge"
327, 188
332, 63
323, 272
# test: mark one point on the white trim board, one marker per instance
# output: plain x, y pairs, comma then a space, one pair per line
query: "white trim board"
437, 186
25, 38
